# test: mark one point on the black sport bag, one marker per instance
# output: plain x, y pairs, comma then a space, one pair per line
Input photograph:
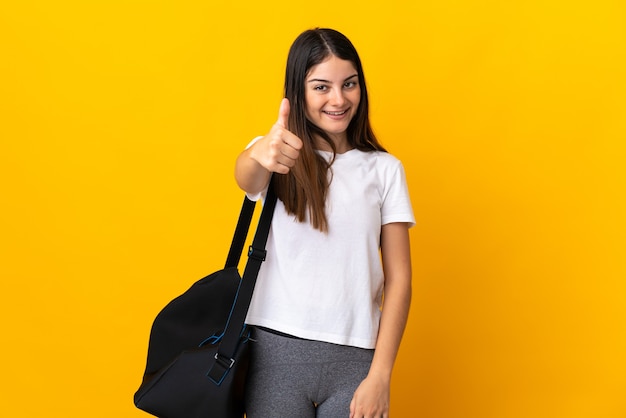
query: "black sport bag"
198, 352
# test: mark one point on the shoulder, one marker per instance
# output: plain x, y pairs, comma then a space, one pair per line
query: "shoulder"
380, 160
378, 156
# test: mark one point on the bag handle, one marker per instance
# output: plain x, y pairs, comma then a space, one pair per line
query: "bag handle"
225, 356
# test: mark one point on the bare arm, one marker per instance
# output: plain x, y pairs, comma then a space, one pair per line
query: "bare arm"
371, 399
250, 175
276, 152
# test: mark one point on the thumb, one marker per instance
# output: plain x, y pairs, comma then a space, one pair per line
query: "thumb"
283, 113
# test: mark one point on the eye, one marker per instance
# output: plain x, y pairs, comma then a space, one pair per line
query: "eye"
349, 84
320, 87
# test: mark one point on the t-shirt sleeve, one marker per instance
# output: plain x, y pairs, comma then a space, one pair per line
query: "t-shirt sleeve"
396, 200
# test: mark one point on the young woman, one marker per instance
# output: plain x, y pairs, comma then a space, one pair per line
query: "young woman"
324, 345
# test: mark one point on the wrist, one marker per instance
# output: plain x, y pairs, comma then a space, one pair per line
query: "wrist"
382, 375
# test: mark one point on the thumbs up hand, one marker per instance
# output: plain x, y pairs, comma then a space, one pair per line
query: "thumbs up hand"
278, 150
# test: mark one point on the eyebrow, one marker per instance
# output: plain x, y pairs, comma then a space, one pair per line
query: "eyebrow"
319, 80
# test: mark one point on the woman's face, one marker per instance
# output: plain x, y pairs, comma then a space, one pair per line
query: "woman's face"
332, 96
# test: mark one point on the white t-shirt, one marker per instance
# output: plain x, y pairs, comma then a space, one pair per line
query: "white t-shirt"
328, 286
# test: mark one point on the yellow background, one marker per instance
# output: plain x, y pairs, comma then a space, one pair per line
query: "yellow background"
120, 122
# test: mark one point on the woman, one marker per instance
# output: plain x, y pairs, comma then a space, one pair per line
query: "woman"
323, 346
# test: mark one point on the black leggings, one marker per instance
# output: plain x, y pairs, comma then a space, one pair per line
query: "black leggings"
296, 378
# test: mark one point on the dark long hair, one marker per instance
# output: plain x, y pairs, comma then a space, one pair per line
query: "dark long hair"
304, 189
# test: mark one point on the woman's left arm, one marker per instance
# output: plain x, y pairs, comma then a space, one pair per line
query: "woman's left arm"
371, 399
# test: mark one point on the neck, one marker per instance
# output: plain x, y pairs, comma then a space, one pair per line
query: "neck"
340, 142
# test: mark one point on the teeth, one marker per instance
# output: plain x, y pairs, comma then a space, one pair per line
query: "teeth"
336, 113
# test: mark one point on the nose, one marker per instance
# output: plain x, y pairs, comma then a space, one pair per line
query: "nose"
337, 98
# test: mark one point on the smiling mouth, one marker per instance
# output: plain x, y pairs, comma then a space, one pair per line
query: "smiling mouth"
335, 113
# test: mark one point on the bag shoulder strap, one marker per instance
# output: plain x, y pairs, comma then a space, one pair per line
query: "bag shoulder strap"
241, 232
224, 358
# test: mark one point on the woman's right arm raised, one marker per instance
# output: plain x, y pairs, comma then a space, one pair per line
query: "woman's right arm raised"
276, 152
